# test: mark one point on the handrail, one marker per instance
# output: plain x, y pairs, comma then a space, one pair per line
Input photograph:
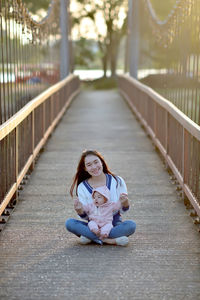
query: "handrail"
24, 134
15, 120
176, 136
185, 121
30, 59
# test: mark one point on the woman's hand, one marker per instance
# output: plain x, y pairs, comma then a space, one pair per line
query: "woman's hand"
103, 236
96, 231
124, 200
78, 206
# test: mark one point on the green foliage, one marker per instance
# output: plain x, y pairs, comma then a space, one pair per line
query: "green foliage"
100, 84
34, 6
85, 51
108, 42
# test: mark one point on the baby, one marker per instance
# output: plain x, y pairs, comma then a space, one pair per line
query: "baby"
100, 212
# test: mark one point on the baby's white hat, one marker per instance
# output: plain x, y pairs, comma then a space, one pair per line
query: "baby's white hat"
103, 190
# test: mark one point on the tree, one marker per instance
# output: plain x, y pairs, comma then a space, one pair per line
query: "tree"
85, 51
111, 15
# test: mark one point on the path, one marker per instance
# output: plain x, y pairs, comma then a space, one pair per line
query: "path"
40, 260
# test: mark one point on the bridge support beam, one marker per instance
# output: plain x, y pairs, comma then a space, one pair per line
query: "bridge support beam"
64, 47
133, 33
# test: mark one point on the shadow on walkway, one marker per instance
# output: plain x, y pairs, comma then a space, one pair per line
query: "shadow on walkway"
40, 260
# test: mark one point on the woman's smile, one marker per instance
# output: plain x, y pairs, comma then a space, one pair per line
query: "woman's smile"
96, 171
93, 165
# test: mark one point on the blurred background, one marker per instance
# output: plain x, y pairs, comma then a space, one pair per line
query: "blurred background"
155, 41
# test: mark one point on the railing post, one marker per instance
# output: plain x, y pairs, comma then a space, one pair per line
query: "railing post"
184, 157
167, 133
155, 119
16, 159
44, 118
32, 138
133, 37
64, 48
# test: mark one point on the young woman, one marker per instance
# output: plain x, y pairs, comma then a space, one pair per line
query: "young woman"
93, 172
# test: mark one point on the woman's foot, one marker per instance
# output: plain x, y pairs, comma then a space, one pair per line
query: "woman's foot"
84, 240
120, 241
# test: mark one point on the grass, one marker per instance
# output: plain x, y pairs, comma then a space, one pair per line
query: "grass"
103, 83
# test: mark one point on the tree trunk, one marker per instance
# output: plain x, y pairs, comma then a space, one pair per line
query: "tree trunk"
104, 59
114, 46
104, 63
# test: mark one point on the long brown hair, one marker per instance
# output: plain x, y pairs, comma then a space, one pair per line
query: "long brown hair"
82, 174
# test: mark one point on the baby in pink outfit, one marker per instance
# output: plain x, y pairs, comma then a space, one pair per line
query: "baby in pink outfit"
101, 211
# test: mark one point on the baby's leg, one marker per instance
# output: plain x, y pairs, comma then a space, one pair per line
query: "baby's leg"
105, 230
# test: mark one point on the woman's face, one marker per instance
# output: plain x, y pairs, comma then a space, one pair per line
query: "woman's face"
93, 165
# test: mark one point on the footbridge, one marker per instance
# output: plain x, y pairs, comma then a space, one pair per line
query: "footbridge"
146, 134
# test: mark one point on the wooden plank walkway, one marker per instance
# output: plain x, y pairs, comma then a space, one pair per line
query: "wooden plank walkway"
40, 260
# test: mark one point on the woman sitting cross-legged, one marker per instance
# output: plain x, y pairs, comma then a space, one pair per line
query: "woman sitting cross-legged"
92, 176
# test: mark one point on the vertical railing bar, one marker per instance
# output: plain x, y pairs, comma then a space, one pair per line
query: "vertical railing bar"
167, 133
17, 83
196, 167
4, 166
32, 138
1, 170
14, 60
155, 119
44, 118
1, 99
6, 162
10, 59
183, 157
3, 71
52, 107
17, 155
21, 68
7, 75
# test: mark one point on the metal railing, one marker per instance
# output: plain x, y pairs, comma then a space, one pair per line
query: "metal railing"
30, 61
24, 134
170, 53
29, 56
176, 136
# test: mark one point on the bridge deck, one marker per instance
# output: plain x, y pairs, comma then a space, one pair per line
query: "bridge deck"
40, 260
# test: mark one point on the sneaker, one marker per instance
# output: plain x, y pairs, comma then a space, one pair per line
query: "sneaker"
84, 240
99, 242
122, 241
